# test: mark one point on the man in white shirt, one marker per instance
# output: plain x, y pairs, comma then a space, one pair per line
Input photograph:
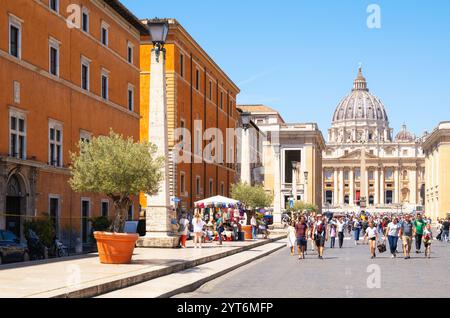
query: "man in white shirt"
340, 227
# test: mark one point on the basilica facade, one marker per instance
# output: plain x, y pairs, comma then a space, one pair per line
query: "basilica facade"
364, 165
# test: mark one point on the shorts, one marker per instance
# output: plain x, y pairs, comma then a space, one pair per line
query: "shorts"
427, 244
373, 238
302, 242
407, 240
320, 240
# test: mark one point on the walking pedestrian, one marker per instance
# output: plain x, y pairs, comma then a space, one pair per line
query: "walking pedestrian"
320, 235
198, 225
301, 230
392, 232
332, 235
219, 228
292, 238
340, 227
445, 230
406, 234
372, 236
254, 224
419, 226
183, 230
427, 238
356, 230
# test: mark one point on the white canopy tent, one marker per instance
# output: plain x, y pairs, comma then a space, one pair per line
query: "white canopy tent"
217, 200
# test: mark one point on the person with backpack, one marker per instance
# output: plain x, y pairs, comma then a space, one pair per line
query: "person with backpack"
445, 230
406, 233
183, 230
301, 230
320, 235
427, 238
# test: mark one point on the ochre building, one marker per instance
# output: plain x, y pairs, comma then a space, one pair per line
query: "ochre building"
200, 95
61, 82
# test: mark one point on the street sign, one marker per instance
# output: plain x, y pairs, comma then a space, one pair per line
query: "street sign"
176, 200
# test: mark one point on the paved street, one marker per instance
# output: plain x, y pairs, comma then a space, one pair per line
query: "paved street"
343, 273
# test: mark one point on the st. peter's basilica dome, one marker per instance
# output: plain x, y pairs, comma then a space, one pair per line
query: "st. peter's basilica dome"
360, 104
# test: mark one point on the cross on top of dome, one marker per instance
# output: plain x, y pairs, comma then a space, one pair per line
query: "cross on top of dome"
360, 83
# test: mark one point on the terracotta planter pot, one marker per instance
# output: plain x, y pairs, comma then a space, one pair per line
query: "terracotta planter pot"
115, 248
247, 229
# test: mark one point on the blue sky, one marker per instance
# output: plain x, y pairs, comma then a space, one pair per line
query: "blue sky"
301, 57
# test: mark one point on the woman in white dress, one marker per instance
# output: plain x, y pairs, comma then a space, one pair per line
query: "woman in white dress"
292, 237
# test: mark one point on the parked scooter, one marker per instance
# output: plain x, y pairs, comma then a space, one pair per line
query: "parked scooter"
58, 249
36, 248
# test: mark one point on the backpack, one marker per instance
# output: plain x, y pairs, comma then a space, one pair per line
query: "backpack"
320, 228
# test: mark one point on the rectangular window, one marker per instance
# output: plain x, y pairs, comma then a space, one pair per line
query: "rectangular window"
210, 90
54, 5
182, 184
105, 33
54, 57
197, 79
85, 136
222, 189
211, 187
105, 208
54, 213
130, 97
55, 144
197, 185
221, 100
85, 20
15, 37
130, 51
198, 142
182, 137
105, 84
17, 135
85, 77
182, 65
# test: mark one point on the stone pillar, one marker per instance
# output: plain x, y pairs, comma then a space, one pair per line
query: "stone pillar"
277, 185
294, 183
367, 182
341, 186
336, 188
246, 175
159, 212
377, 186
413, 186
396, 185
382, 186
352, 187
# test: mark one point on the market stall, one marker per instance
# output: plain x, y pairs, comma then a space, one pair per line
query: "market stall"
229, 210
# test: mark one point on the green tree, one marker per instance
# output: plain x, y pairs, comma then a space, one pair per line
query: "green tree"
117, 167
252, 197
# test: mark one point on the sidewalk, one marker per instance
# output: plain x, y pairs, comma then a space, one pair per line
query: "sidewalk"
80, 277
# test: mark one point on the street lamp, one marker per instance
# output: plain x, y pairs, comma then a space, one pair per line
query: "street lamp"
158, 31
245, 120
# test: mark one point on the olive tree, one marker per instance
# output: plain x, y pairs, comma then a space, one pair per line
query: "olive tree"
117, 167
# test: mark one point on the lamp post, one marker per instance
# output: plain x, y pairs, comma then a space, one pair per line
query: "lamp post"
305, 176
245, 149
294, 180
159, 212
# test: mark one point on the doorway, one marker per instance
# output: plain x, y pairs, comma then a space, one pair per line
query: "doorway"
54, 214
14, 206
85, 207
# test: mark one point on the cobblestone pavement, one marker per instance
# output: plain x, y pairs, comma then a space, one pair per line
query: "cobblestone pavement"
345, 273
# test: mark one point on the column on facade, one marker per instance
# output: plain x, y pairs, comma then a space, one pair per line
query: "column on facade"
376, 186
366, 190
341, 186
396, 185
413, 186
277, 185
351, 176
335, 191
382, 191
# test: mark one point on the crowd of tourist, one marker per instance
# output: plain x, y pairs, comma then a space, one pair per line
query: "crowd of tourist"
377, 231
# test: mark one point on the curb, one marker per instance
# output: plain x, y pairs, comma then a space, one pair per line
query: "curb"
137, 278
194, 286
